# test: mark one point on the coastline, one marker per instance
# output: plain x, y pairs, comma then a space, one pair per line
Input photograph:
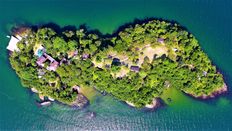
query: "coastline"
155, 104
213, 94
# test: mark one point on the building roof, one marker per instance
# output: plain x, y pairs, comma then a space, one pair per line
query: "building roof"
85, 56
41, 60
49, 57
53, 66
12, 46
134, 68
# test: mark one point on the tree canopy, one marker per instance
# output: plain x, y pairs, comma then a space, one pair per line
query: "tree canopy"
163, 55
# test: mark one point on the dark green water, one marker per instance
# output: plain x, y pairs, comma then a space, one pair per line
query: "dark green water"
209, 20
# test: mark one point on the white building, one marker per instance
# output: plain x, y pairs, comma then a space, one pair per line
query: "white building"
12, 46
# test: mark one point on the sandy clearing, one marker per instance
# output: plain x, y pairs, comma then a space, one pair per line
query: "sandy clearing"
150, 52
124, 70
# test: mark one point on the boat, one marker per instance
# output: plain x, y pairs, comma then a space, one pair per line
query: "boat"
45, 103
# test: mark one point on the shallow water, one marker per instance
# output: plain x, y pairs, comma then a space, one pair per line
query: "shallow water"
209, 20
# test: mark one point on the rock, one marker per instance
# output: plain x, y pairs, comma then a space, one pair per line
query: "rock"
154, 104
130, 104
81, 101
169, 99
90, 115
34, 90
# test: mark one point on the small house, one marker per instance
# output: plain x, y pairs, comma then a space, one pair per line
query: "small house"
85, 56
49, 57
134, 68
53, 66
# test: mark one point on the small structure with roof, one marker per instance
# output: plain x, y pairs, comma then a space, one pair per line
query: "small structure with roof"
12, 46
134, 68
53, 63
53, 66
49, 57
40, 61
85, 56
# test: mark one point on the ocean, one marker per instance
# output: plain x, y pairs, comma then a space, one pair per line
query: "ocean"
209, 20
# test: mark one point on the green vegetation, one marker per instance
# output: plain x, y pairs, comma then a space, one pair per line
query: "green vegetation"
163, 56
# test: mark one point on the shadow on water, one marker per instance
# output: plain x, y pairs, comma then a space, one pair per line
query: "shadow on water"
59, 29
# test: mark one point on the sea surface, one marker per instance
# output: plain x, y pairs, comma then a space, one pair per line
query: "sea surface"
209, 20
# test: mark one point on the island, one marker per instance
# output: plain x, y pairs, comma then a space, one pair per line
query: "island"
135, 64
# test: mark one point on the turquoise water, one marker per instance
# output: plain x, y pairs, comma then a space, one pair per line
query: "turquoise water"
209, 20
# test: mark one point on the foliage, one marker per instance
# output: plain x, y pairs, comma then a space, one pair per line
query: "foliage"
187, 68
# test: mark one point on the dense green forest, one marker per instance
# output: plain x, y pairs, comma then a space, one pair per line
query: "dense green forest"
135, 65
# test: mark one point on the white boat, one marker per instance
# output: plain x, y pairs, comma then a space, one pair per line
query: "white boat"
46, 103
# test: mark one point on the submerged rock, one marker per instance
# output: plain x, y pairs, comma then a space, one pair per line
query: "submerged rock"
90, 115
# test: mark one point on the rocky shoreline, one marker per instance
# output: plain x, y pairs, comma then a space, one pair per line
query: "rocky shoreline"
217, 92
80, 102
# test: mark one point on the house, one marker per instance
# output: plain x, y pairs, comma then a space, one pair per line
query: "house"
134, 68
53, 66
41, 60
85, 56
53, 63
12, 46
49, 57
